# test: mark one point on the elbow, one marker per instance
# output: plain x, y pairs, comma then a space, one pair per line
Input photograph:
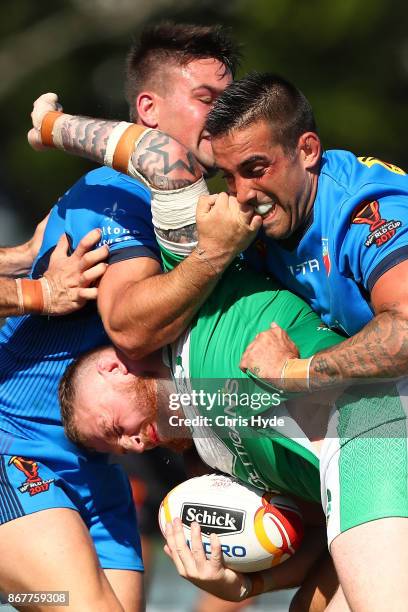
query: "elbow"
135, 345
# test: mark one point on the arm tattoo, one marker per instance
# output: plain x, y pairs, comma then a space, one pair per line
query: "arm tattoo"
380, 350
164, 162
86, 137
181, 235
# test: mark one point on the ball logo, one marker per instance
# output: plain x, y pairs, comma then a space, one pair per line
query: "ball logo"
278, 527
213, 519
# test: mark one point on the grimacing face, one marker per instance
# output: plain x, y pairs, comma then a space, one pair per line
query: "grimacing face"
123, 417
189, 95
260, 173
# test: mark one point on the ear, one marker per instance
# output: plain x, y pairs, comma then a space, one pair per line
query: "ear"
110, 364
310, 149
147, 108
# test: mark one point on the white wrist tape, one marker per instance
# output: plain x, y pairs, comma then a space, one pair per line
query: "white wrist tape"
113, 140
175, 208
178, 248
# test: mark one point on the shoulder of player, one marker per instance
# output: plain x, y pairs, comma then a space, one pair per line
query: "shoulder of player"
109, 177
353, 173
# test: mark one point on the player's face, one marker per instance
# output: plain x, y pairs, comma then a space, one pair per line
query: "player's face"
124, 419
259, 172
188, 98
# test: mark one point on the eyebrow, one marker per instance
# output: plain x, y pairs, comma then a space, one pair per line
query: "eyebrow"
213, 90
251, 160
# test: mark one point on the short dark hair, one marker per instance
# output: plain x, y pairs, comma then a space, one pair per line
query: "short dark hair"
263, 96
178, 43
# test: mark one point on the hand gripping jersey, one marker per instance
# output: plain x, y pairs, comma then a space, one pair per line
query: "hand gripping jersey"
234, 438
35, 351
358, 231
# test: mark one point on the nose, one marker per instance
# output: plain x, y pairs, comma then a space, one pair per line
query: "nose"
133, 444
245, 192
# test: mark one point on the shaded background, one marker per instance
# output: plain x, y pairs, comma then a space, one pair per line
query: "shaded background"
350, 57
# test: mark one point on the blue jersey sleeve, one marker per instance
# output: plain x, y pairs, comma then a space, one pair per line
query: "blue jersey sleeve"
113, 202
377, 238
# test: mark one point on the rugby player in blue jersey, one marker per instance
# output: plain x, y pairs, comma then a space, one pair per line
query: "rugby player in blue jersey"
334, 228
68, 513
334, 231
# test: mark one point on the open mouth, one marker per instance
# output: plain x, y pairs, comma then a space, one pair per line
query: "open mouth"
152, 434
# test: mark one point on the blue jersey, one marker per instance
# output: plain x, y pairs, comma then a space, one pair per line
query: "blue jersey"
358, 231
35, 350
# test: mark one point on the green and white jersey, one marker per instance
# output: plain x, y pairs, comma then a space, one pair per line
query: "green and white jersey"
364, 457
231, 435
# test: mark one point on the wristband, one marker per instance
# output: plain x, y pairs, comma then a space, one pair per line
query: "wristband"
121, 144
46, 287
47, 126
32, 296
297, 371
253, 585
20, 297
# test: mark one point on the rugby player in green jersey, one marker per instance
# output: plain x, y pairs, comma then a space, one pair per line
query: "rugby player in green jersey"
111, 403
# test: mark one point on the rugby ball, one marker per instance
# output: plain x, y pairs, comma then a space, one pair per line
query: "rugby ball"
257, 530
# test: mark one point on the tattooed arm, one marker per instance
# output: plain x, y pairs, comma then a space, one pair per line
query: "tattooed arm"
141, 308
379, 350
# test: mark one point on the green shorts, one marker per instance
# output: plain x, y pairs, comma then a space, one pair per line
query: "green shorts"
364, 458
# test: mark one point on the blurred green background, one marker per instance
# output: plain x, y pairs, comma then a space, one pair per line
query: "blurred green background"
350, 57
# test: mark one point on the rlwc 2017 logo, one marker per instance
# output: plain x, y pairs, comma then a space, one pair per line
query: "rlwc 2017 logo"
33, 484
381, 230
213, 519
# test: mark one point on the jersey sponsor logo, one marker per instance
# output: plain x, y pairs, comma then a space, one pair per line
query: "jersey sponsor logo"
381, 230
326, 255
213, 519
371, 161
306, 267
33, 483
114, 213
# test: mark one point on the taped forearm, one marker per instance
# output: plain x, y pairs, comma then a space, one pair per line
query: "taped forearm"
169, 170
